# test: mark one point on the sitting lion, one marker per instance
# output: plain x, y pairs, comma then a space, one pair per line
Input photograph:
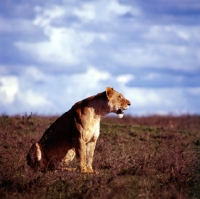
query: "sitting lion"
76, 133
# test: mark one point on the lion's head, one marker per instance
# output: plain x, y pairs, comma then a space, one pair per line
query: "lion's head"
117, 102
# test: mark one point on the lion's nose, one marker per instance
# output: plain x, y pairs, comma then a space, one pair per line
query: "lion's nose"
128, 103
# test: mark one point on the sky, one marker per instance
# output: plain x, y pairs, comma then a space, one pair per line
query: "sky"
55, 53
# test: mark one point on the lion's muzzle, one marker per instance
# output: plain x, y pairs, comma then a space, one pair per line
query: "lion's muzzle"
120, 111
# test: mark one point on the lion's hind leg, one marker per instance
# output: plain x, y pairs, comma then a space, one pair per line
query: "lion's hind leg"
35, 157
68, 158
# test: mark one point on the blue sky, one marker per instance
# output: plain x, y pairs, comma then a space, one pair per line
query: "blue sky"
55, 53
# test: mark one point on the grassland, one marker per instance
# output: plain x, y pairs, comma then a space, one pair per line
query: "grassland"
147, 157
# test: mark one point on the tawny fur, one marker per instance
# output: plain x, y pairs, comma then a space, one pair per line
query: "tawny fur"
76, 133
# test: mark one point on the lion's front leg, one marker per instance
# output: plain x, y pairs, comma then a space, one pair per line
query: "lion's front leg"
90, 154
82, 155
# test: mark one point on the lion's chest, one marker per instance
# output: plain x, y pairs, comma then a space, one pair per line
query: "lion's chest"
91, 132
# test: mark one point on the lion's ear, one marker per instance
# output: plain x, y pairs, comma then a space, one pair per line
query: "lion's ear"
109, 92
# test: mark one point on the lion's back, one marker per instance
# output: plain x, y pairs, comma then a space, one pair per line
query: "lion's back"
60, 132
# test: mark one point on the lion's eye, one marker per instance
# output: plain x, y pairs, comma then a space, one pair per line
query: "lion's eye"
120, 97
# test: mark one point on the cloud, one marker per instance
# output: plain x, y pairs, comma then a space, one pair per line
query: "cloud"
124, 78
56, 53
86, 12
42, 93
102, 11
164, 79
65, 45
36, 91
162, 101
33, 99
118, 8
8, 89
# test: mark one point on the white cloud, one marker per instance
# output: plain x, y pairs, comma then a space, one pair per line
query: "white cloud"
101, 43
9, 87
136, 56
144, 97
58, 93
103, 11
86, 12
124, 78
45, 16
71, 44
170, 33
61, 48
152, 76
86, 84
55, 95
33, 73
66, 45
93, 75
157, 101
33, 99
194, 91
118, 8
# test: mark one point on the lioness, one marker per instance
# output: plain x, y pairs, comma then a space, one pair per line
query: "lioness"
76, 132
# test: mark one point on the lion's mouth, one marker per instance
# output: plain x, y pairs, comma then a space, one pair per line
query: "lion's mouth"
120, 113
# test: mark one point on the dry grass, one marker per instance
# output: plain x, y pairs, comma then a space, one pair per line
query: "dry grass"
148, 157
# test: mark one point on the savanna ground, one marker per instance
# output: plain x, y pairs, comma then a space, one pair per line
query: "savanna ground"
147, 157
